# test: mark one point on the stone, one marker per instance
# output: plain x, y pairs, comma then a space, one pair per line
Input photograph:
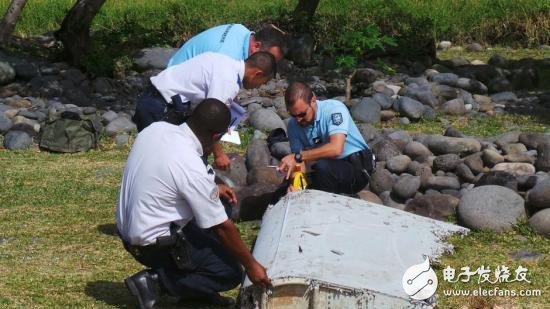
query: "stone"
449, 79
514, 148
398, 164
153, 58
17, 140
532, 140
443, 144
539, 196
265, 119
252, 201
453, 132
5, 123
443, 45
404, 120
280, 150
30, 124
387, 115
447, 162
120, 125
368, 132
7, 73
367, 75
475, 163
406, 186
526, 182
491, 208
369, 196
257, 154
410, 108
122, 140
446, 92
474, 47
423, 95
498, 60
500, 84
109, 116
368, 111
454, 107
542, 163
383, 100
491, 157
516, 169
380, 181
498, 178
235, 176
477, 62
435, 206
421, 170
458, 61
89, 110
388, 201
520, 157
264, 175
507, 138
465, 173
526, 255
504, 97
385, 150
540, 222
442, 183
26, 71
417, 151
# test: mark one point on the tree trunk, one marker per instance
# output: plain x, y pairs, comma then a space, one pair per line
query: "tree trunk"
306, 8
10, 19
75, 29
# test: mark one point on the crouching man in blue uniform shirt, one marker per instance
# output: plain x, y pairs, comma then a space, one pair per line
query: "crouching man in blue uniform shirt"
324, 134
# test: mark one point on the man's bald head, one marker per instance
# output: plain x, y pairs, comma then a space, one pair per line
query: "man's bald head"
297, 90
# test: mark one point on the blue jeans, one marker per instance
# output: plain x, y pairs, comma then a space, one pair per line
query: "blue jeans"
149, 108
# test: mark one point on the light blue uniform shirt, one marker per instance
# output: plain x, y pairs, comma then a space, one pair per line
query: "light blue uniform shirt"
232, 40
332, 117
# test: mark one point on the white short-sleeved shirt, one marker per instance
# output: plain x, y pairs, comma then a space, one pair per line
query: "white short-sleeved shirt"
164, 181
208, 75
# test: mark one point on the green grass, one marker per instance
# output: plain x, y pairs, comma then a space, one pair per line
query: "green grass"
506, 52
58, 246
121, 27
473, 126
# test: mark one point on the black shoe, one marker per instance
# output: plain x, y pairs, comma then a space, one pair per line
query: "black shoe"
144, 286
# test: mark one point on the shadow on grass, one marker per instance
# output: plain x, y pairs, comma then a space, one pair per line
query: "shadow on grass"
111, 293
108, 229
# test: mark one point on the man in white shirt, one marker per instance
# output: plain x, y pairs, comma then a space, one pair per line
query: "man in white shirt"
170, 216
208, 75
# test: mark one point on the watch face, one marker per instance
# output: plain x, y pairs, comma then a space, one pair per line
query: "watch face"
298, 157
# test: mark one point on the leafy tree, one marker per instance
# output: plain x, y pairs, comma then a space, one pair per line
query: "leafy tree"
306, 8
75, 29
10, 19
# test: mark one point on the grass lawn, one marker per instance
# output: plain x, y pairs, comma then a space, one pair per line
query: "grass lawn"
58, 246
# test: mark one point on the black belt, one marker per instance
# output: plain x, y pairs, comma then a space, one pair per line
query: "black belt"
362, 160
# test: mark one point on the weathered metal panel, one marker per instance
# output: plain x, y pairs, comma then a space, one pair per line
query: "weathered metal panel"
324, 250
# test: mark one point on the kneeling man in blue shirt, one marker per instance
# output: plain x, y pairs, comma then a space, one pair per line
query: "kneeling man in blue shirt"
324, 134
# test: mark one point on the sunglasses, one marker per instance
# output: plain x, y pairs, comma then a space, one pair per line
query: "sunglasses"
302, 114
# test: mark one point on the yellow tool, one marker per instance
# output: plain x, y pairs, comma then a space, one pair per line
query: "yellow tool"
298, 179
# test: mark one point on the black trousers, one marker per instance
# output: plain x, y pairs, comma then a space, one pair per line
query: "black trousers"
214, 269
337, 176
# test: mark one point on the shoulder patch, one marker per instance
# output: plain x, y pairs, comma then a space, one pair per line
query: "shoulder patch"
214, 195
337, 119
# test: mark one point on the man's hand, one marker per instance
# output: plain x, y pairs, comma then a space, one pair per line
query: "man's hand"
221, 161
258, 274
227, 193
287, 165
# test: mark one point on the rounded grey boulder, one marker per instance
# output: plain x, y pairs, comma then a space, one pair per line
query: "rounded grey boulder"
540, 222
491, 207
17, 140
266, 119
539, 196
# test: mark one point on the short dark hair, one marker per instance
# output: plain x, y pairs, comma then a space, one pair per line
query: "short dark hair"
298, 89
210, 116
271, 36
263, 61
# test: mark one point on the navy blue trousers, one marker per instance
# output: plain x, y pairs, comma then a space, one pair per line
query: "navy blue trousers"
215, 270
149, 108
336, 176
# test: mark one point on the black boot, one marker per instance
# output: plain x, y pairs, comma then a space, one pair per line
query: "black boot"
144, 285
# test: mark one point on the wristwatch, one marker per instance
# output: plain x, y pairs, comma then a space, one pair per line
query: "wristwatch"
298, 157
